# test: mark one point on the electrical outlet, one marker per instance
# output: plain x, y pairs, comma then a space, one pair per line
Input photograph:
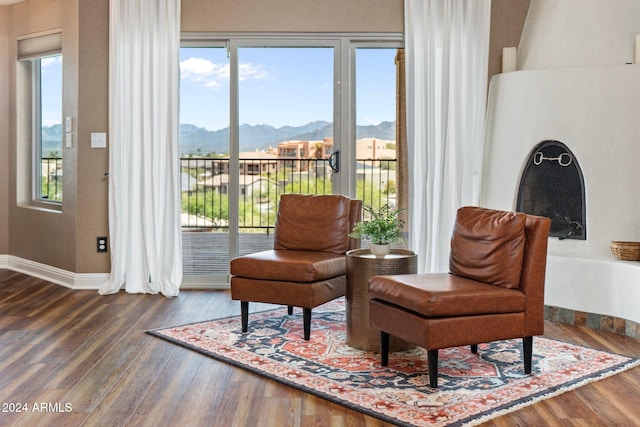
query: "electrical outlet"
102, 244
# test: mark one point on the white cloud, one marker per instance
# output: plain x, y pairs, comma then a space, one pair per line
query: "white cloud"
50, 61
248, 70
202, 70
214, 75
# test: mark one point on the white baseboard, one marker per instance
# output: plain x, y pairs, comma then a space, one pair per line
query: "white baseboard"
93, 281
53, 274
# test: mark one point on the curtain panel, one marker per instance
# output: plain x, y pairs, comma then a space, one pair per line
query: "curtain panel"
447, 48
144, 186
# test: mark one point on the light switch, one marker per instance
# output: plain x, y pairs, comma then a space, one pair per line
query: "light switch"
98, 140
69, 140
68, 124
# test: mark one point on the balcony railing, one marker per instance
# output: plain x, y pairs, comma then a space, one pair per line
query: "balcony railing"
51, 179
205, 188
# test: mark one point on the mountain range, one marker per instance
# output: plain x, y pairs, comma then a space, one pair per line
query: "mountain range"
194, 139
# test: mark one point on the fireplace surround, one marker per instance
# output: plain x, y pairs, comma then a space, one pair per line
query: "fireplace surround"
593, 112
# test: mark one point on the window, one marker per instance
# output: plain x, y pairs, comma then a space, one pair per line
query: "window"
48, 128
40, 130
263, 115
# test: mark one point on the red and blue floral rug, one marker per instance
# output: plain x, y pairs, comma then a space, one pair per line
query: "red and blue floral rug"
472, 388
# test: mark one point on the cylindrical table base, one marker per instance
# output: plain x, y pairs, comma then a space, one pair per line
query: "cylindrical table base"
360, 266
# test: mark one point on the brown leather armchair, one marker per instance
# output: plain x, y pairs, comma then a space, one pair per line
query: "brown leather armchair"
494, 291
307, 265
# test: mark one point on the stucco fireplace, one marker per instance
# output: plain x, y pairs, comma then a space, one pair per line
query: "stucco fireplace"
592, 112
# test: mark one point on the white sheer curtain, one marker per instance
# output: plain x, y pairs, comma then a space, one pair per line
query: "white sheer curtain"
447, 47
144, 187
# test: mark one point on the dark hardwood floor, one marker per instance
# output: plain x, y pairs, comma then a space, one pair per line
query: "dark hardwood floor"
84, 360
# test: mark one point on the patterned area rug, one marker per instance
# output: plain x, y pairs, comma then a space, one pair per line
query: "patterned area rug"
473, 388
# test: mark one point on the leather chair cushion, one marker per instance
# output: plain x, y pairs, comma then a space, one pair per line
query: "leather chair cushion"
444, 295
299, 227
289, 266
296, 294
488, 246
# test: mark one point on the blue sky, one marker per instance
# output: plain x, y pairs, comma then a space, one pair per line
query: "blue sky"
281, 86
278, 86
51, 83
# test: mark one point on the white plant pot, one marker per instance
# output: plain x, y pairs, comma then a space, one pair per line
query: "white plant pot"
379, 251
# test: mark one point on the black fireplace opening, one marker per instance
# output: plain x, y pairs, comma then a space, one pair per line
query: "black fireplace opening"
552, 185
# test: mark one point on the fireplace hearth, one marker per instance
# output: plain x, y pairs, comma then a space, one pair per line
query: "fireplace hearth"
552, 185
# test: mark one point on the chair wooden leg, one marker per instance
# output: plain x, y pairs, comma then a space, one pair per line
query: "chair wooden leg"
384, 348
244, 314
432, 356
306, 323
290, 309
474, 348
527, 347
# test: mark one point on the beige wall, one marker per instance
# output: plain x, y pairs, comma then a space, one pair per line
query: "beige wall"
67, 240
38, 235
93, 116
293, 15
507, 22
4, 132
64, 239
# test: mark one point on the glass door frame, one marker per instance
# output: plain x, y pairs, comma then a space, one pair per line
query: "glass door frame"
216, 280
267, 41
344, 108
396, 42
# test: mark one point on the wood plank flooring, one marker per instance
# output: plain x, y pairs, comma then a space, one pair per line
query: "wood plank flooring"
83, 359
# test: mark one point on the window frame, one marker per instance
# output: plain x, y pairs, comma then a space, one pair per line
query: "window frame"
36, 104
31, 50
344, 117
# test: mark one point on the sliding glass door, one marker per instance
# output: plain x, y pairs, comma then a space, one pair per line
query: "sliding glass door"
204, 162
376, 107
261, 117
285, 138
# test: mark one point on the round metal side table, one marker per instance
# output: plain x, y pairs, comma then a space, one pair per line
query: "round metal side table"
361, 265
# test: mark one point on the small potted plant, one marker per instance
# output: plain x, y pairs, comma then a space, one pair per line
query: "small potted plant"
382, 228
